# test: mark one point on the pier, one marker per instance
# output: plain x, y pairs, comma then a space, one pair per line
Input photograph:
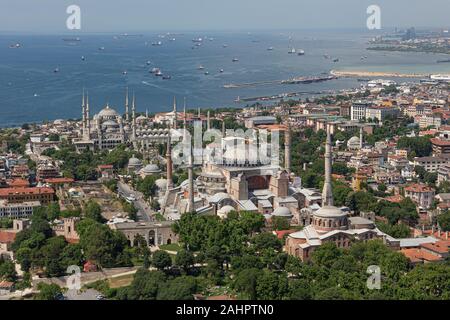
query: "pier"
296, 80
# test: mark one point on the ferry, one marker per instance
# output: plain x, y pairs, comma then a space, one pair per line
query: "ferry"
440, 77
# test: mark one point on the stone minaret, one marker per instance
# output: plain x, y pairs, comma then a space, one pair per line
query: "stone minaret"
88, 118
175, 117
191, 207
127, 116
133, 115
83, 113
208, 121
361, 138
327, 193
287, 149
223, 128
169, 163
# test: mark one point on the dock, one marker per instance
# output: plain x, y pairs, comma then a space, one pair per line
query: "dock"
296, 80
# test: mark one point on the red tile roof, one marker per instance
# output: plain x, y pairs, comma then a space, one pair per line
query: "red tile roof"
35, 190
417, 187
7, 236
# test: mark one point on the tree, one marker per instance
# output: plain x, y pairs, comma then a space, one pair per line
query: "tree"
145, 285
93, 211
280, 223
444, 221
246, 281
161, 260
184, 259
271, 286
7, 270
48, 291
326, 254
181, 288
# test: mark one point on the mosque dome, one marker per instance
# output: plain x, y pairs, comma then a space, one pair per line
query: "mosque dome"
330, 212
224, 211
282, 212
353, 143
134, 162
161, 183
108, 112
151, 168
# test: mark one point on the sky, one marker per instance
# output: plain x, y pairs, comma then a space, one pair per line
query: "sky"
49, 16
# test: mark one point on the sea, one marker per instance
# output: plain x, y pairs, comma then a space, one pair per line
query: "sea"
43, 79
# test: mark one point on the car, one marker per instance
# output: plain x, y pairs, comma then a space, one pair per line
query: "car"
100, 297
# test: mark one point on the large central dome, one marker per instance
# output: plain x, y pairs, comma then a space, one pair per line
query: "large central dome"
108, 113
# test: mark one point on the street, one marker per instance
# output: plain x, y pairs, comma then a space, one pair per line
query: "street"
144, 211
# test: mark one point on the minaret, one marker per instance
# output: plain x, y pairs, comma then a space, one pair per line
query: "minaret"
361, 138
175, 117
191, 207
199, 113
223, 128
208, 121
287, 149
327, 193
83, 113
146, 113
88, 118
184, 115
133, 115
127, 116
169, 163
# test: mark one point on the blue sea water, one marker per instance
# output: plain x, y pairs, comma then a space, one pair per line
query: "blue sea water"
32, 92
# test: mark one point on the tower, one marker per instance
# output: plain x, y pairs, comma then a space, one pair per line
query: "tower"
223, 128
127, 116
327, 193
88, 118
287, 149
169, 164
175, 120
133, 114
191, 207
361, 138
208, 121
83, 114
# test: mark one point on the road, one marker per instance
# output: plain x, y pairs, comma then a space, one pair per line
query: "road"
145, 213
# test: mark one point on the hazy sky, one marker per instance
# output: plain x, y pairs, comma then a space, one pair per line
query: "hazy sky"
49, 16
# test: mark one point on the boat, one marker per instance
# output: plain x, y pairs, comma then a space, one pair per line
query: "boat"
225, 46
14, 46
269, 48
336, 60
235, 60
301, 52
148, 62
292, 51
125, 72
155, 70
83, 58
326, 56
56, 70
443, 61
200, 67
197, 40
206, 73
221, 70
440, 77
72, 39
158, 73
167, 77
101, 48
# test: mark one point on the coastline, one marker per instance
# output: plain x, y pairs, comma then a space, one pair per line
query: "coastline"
358, 73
